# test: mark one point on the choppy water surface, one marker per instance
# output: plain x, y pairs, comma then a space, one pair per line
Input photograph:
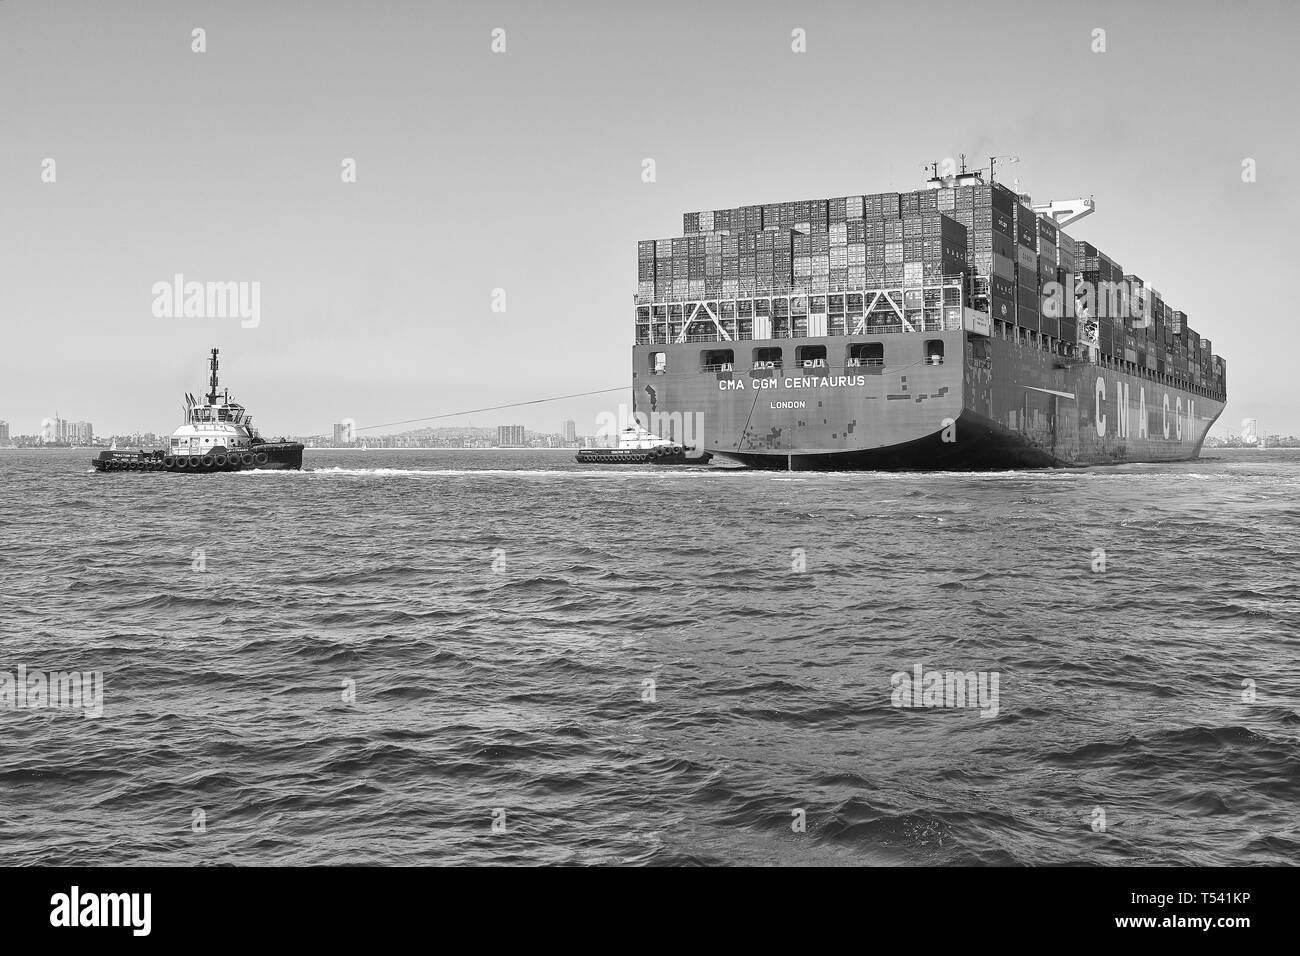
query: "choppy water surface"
500, 614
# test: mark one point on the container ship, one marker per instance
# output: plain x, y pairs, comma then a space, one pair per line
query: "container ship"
958, 326
217, 435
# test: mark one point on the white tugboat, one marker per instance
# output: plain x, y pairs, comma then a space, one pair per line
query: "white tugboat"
218, 435
637, 446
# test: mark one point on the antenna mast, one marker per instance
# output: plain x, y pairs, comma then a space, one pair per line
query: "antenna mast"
212, 382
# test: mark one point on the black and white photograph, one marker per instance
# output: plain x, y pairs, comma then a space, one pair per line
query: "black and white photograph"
443, 435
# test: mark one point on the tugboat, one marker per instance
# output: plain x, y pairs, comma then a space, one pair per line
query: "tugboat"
218, 435
636, 446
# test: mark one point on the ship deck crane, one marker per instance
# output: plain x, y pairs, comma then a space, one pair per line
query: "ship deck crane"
1066, 211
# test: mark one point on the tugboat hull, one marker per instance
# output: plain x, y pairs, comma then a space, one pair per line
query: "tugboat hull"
661, 455
271, 456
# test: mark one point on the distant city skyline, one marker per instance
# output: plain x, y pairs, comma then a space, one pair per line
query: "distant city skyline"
61, 430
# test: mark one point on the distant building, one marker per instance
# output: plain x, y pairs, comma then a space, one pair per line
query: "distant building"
58, 429
570, 430
54, 429
343, 434
4, 433
508, 435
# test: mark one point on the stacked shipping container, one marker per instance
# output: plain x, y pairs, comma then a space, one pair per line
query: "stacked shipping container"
982, 231
851, 242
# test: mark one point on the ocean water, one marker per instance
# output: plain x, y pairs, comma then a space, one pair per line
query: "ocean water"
447, 657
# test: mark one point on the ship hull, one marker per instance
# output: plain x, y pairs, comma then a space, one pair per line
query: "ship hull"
990, 404
271, 456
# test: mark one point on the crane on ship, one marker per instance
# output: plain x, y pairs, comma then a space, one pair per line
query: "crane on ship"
1062, 211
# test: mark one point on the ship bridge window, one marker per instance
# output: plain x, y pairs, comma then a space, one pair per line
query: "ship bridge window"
717, 360
934, 351
658, 363
866, 353
811, 356
767, 358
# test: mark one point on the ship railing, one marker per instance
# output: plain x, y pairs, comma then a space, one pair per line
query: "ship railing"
802, 290
657, 337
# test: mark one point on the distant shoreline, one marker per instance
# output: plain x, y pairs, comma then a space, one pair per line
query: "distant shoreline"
440, 448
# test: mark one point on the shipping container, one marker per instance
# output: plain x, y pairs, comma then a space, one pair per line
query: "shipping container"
1002, 308
1002, 223
1000, 197
886, 206
1047, 228
1026, 227
1110, 342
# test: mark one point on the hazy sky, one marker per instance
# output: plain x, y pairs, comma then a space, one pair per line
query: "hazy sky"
522, 170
